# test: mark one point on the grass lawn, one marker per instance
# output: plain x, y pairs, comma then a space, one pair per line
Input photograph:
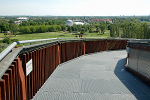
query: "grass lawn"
34, 36
2, 35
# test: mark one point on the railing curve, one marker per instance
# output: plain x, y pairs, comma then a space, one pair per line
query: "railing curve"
45, 55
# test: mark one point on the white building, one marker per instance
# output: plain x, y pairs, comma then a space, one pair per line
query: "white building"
69, 23
18, 22
78, 23
22, 19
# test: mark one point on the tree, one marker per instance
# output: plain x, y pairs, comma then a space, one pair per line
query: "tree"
58, 27
4, 27
32, 23
69, 29
90, 30
148, 33
76, 28
126, 29
103, 27
133, 32
85, 28
82, 31
117, 30
96, 25
14, 28
33, 29
54, 28
25, 24
6, 40
144, 28
138, 32
11, 21
112, 30
108, 27
79, 27
97, 29
63, 27
25, 29
42, 28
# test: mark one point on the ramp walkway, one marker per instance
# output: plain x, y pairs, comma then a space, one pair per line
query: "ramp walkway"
97, 76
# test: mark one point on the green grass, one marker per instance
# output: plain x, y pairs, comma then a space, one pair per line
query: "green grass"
39, 36
61, 34
2, 35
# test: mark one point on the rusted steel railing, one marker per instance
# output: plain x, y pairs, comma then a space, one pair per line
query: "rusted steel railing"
71, 50
17, 83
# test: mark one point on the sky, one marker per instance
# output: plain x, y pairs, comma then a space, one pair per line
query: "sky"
75, 7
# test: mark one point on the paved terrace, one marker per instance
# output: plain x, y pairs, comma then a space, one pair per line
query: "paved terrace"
98, 76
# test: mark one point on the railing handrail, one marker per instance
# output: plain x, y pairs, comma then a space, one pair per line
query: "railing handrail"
32, 41
139, 40
10, 47
5, 55
7, 50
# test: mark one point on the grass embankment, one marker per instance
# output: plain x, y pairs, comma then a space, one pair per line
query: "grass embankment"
34, 36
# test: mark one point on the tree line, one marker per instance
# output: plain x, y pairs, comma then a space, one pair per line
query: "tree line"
128, 29
42, 28
8, 26
79, 28
43, 22
36, 26
91, 28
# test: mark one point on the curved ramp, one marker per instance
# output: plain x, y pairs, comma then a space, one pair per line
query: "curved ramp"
98, 76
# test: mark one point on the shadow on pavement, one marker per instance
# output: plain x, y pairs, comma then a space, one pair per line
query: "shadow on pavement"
139, 89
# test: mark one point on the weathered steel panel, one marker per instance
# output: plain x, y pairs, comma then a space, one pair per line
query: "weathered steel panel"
3, 89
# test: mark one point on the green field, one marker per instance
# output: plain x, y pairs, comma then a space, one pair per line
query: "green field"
60, 34
2, 35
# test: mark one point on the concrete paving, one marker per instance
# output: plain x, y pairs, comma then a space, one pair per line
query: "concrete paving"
97, 76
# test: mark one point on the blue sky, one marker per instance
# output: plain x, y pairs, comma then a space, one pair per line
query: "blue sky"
75, 7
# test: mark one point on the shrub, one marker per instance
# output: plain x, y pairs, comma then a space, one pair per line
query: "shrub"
6, 40
14, 40
3, 46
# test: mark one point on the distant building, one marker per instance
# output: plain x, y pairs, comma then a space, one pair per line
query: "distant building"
22, 19
78, 23
98, 20
69, 23
18, 22
101, 20
87, 20
109, 20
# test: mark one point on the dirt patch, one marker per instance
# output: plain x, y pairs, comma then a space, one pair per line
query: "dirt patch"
1, 38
